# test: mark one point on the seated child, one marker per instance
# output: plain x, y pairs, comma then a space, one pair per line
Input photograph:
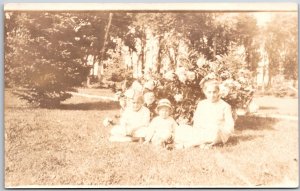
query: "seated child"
213, 121
150, 103
133, 122
162, 127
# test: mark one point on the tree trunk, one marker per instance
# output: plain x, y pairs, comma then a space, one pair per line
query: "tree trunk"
269, 85
100, 63
158, 61
215, 47
143, 54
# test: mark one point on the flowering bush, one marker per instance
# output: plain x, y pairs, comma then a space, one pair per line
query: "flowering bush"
183, 86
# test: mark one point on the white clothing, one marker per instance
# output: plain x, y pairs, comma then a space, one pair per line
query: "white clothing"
132, 123
161, 130
213, 123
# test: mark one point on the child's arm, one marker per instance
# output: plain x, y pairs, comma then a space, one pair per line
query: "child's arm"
197, 116
174, 126
229, 122
150, 131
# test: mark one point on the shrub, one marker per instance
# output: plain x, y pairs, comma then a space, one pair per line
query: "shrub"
183, 85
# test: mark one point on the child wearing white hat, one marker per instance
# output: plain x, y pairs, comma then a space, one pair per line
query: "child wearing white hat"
162, 127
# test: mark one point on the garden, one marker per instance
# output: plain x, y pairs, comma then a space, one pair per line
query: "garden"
67, 72
73, 150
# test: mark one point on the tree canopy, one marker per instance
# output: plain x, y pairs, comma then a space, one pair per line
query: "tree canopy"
46, 53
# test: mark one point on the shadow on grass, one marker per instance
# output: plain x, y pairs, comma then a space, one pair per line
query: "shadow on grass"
100, 105
236, 139
254, 123
267, 107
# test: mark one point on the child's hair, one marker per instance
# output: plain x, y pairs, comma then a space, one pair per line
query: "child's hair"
212, 82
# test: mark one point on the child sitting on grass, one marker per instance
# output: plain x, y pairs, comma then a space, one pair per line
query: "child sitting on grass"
133, 122
213, 121
162, 127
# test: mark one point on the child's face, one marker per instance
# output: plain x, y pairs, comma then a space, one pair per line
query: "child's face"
164, 112
149, 98
136, 105
212, 93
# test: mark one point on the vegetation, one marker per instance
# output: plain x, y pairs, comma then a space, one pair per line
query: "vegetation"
73, 150
46, 53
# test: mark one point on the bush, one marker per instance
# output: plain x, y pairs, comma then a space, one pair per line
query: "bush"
47, 88
183, 85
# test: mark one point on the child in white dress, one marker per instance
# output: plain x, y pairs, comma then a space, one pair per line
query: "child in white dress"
213, 121
134, 120
161, 129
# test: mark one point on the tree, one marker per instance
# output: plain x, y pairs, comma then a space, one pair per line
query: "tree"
43, 58
247, 32
281, 46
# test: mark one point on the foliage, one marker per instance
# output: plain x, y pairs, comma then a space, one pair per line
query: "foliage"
43, 58
46, 53
281, 45
183, 85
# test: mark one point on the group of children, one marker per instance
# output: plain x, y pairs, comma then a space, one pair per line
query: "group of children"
213, 121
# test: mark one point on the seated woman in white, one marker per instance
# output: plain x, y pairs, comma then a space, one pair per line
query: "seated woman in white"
213, 121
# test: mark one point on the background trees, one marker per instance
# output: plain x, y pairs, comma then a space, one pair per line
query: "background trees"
281, 46
47, 53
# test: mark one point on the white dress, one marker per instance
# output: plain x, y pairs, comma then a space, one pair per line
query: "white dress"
161, 130
213, 123
132, 124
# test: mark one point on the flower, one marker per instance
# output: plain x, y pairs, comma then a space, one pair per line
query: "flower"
190, 75
242, 79
224, 90
229, 82
178, 97
169, 75
107, 122
210, 76
149, 85
225, 75
182, 120
237, 85
182, 78
180, 70
201, 62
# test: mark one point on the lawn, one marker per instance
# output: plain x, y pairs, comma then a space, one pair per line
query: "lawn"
69, 146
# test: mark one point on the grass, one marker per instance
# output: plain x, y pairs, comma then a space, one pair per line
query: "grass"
275, 105
69, 146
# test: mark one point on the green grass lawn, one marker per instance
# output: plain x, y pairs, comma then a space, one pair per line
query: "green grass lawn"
69, 146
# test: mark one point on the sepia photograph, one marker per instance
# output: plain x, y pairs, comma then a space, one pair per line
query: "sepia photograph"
151, 95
